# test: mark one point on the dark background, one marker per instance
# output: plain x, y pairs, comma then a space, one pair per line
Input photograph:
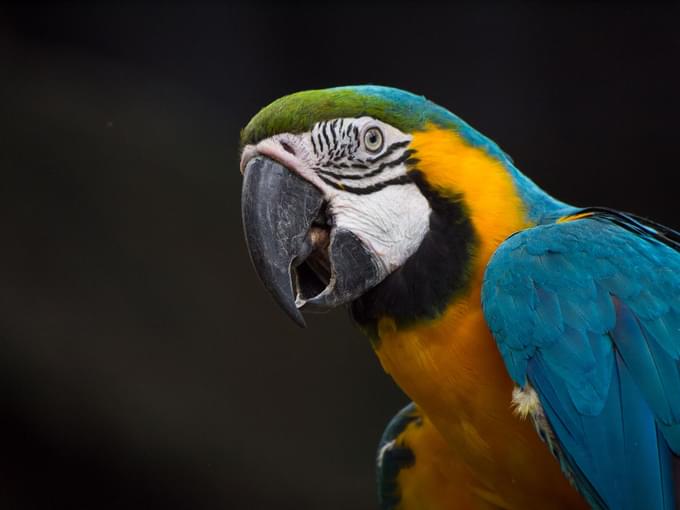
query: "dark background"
142, 365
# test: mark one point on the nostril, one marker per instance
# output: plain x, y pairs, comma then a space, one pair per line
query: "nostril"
287, 148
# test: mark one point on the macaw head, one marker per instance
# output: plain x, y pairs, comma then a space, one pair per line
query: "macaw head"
358, 195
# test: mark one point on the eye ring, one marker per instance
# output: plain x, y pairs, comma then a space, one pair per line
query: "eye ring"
374, 140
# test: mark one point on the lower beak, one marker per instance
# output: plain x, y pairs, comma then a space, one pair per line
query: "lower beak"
301, 260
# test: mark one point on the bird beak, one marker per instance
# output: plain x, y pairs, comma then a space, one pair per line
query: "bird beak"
300, 257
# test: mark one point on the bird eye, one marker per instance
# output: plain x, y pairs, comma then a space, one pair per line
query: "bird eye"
373, 139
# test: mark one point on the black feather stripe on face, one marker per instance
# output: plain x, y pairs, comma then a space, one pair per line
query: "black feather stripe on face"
342, 163
433, 276
403, 158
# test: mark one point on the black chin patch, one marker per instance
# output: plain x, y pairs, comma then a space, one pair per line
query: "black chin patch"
429, 280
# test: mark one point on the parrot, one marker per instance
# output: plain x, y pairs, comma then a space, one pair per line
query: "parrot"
538, 342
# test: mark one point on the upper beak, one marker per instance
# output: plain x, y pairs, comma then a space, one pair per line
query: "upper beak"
299, 257
278, 209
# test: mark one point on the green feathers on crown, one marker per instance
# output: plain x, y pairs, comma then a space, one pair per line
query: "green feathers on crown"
298, 112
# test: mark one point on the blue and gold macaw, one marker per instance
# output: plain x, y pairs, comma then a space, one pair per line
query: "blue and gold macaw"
539, 342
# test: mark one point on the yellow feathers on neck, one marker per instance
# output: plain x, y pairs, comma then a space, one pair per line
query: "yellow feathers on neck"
453, 166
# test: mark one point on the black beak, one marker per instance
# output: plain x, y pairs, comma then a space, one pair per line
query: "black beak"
299, 258
278, 209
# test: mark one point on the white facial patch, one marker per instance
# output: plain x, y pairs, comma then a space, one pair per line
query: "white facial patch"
391, 222
361, 165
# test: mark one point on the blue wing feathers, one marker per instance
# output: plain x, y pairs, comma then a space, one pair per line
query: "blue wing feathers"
566, 424
672, 435
588, 312
637, 355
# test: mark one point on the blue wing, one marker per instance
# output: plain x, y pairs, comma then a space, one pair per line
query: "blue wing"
588, 313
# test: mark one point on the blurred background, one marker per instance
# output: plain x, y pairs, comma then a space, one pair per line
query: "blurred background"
142, 364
